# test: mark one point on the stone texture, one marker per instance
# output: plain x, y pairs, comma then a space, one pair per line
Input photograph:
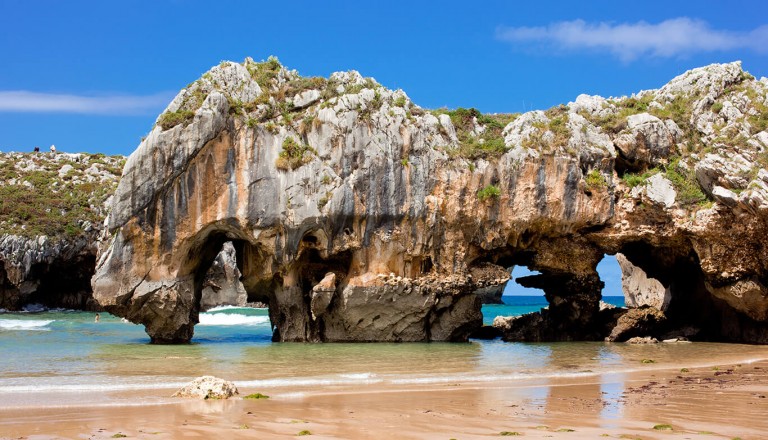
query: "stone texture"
383, 199
207, 387
637, 340
649, 140
639, 322
660, 190
222, 286
639, 290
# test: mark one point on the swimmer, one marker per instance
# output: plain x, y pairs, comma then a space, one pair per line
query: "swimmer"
97, 318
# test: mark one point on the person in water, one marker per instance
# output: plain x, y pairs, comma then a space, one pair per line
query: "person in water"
97, 318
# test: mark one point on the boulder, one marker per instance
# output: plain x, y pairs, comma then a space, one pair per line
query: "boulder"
648, 140
638, 340
636, 322
660, 190
207, 387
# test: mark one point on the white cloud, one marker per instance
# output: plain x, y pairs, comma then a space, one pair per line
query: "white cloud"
26, 101
629, 41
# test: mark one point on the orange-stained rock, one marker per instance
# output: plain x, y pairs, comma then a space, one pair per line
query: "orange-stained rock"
358, 216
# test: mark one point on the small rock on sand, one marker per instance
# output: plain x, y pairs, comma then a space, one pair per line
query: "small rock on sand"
207, 387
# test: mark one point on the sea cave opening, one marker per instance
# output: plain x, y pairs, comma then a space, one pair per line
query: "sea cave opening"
609, 272
230, 289
512, 298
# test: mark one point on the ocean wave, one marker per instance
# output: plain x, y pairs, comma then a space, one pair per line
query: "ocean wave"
232, 319
222, 308
307, 382
24, 324
358, 375
34, 308
80, 387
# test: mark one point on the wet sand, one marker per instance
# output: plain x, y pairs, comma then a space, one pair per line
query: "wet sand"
723, 402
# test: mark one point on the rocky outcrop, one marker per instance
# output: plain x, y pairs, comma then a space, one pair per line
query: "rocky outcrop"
222, 286
52, 212
358, 215
491, 294
638, 322
639, 290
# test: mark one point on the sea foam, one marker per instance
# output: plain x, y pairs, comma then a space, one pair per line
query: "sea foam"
232, 319
24, 324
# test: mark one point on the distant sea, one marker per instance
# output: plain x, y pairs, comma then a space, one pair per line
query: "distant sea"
61, 357
520, 305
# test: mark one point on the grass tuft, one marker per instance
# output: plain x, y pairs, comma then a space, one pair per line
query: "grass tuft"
294, 155
490, 191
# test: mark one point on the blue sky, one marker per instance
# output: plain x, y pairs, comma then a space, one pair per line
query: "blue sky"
608, 268
92, 76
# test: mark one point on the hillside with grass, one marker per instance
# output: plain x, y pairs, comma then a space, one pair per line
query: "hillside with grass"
56, 195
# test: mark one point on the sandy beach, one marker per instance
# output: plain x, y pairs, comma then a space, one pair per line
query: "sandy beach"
722, 401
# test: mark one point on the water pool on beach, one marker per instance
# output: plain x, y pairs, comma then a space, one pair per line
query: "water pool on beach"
63, 356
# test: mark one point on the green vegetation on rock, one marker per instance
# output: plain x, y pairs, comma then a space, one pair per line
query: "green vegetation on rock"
57, 196
595, 179
489, 143
488, 192
171, 119
293, 155
256, 396
684, 180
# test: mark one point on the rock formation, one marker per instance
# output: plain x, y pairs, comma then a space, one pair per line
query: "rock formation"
358, 216
222, 286
52, 212
639, 290
492, 294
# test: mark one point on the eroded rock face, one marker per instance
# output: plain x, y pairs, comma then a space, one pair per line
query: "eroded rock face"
639, 322
360, 216
52, 211
222, 286
639, 290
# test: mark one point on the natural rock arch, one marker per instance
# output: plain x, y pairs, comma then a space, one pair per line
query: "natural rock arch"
361, 217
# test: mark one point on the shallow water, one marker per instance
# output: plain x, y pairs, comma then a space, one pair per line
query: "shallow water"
66, 352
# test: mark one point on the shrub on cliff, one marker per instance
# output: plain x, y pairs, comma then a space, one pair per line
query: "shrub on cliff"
293, 155
474, 145
171, 119
595, 179
488, 192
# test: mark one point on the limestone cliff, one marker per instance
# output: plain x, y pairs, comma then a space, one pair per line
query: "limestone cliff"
357, 215
52, 212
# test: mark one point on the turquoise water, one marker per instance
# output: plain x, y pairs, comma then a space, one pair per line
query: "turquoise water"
61, 357
520, 305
